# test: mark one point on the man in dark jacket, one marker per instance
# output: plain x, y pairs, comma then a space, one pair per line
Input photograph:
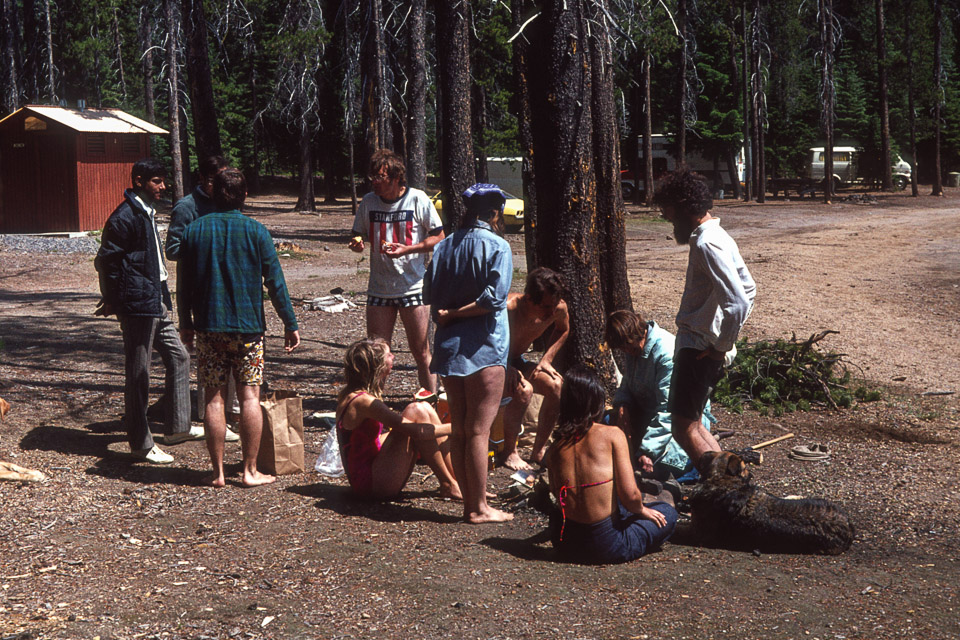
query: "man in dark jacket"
133, 285
187, 209
193, 205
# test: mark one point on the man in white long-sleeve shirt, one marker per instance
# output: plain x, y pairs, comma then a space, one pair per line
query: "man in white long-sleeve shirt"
717, 299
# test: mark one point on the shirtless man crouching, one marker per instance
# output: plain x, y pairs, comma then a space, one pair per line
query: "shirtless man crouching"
531, 313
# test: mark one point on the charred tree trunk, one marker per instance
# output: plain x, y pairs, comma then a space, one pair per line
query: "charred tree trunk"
417, 104
611, 226
937, 94
521, 75
206, 127
887, 175
568, 226
145, 35
173, 108
456, 151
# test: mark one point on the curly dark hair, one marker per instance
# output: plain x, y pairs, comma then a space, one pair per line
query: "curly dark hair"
687, 192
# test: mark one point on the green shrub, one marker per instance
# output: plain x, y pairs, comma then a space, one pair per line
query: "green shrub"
779, 377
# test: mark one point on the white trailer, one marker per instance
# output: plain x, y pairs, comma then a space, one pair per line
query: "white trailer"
715, 170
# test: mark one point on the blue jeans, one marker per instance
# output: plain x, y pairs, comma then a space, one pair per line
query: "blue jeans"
622, 537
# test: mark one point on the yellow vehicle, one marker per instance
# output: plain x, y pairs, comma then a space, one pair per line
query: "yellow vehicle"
512, 211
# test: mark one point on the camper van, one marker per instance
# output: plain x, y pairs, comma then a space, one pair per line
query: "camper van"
714, 170
846, 170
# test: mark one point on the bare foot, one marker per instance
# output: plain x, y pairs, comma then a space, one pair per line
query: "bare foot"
488, 515
537, 457
515, 462
256, 479
450, 490
215, 480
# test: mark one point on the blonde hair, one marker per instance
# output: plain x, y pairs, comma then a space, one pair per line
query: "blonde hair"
364, 367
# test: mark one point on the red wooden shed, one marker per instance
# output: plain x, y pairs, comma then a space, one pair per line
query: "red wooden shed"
64, 170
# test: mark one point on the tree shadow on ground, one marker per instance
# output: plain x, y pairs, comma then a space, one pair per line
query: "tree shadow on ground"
341, 500
100, 440
531, 548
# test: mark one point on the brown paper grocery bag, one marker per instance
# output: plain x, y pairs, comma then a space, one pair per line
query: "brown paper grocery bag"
281, 445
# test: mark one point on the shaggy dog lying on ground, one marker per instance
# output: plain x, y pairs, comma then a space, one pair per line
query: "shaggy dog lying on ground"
738, 514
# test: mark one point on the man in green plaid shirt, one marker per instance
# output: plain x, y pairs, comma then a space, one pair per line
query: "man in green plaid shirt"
225, 261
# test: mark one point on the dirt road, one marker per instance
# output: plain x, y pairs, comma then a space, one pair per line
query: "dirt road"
110, 549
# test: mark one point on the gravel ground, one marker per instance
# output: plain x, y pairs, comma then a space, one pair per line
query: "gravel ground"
110, 549
48, 244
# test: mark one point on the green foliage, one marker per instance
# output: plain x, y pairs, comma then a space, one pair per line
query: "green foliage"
779, 377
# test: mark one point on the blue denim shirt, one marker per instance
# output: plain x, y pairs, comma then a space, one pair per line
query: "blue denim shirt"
644, 390
472, 265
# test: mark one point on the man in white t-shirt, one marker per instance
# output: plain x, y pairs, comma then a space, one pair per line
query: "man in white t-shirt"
402, 226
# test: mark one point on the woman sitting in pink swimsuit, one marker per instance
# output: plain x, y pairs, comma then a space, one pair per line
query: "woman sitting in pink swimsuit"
379, 446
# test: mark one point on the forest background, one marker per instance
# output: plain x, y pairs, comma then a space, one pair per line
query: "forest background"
307, 89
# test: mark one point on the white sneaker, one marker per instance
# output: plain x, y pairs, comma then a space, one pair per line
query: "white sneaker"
195, 433
156, 455
231, 436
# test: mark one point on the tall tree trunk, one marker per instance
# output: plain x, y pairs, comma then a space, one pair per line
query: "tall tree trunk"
48, 34
648, 186
745, 85
11, 85
456, 151
376, 126
829, 99
937, 94
173, 108
732, 150
31, 58
759, 100
521, 74
754, 118
145, 35
206, 127
478, 110
911, 107
611, 226
186, 175
118, 46
349, 115
417, 103
681, 148
306, 199
568, 228
887, 175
